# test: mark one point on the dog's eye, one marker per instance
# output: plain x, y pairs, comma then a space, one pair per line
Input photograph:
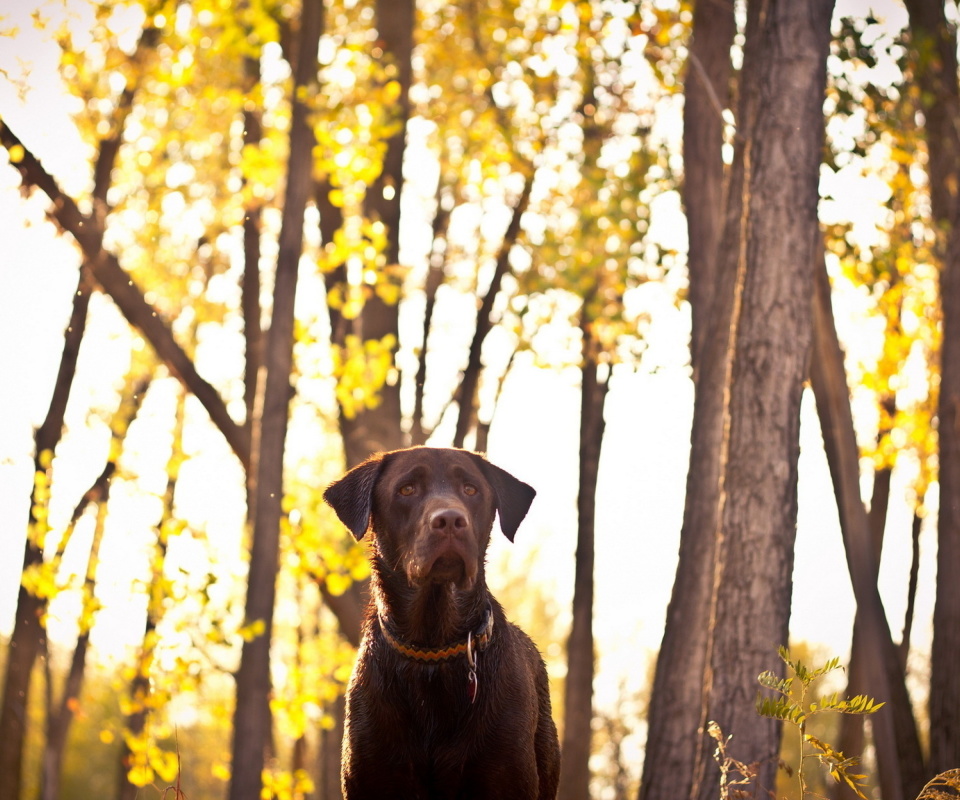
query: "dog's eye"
407, 489
469, 489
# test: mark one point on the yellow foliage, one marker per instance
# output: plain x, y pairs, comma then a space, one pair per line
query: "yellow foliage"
252, 630
40, 580
361, 369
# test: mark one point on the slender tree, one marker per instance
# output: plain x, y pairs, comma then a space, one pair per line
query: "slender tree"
251, 727
935, 42
578, 687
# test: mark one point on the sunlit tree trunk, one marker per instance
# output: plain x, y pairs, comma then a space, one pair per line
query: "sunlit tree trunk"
578, 687
676, 700
380, 428
780, 133
252, 718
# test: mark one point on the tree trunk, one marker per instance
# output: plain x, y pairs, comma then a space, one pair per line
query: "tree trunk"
250, 283
578, 687
675, 710
851, 737
470, 381
59, 718
27, 636
781, 123
899, 758
252, 721
935, 42
380, 428
945, 654
706, 96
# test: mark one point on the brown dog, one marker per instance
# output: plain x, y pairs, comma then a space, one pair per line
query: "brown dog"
448, 700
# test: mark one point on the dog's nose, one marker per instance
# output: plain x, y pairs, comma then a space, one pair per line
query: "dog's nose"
449, 520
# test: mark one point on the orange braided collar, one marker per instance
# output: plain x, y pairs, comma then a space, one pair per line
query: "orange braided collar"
475, 641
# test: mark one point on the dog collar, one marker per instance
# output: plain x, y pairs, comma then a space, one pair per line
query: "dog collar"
475, 642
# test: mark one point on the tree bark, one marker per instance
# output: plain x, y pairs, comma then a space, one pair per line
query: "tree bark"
252, 719
781, 121
935, 43
675, 720
899, 759
945, 654
706, 96
578, 687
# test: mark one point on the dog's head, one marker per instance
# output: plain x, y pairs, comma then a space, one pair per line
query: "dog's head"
432, 510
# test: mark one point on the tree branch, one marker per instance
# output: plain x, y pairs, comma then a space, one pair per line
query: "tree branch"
116, 282
467, 390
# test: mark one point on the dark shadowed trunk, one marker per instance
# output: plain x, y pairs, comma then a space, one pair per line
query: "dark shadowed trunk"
252, 719
780, 128
470, 381
27, 636
935, 44
250, 283
578, 687
676, 700
899, 760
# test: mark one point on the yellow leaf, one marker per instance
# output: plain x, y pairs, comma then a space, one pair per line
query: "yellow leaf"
338, 583
16, 154
140, 775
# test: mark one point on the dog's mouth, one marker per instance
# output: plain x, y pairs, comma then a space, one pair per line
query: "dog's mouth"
442, 564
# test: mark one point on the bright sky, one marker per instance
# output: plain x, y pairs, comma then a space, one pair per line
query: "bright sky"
644, 458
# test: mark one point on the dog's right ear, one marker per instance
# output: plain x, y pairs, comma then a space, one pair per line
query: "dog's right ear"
352, 496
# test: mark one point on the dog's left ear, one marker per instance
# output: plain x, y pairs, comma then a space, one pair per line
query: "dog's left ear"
513, 497
352, 496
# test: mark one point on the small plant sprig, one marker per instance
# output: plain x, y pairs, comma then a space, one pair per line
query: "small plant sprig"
791, 706
938, 788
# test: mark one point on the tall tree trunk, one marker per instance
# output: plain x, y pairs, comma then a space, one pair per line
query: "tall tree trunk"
945, 654
935, 42
252, 719
676, 703
578, 687
899, 758
781, 123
